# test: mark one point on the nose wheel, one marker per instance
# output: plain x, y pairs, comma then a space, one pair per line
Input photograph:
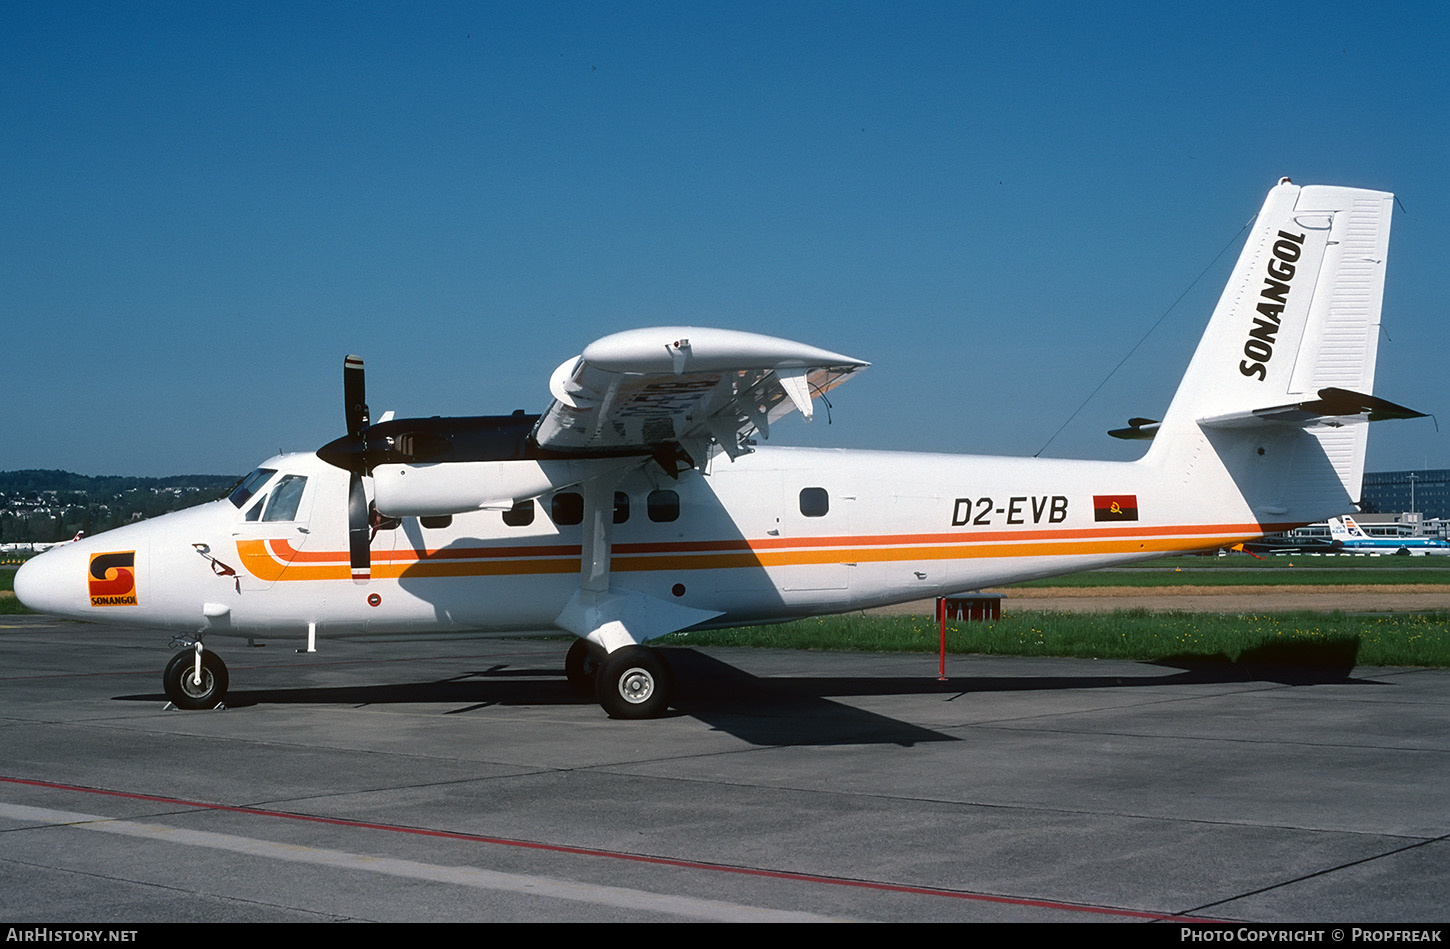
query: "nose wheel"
182, 687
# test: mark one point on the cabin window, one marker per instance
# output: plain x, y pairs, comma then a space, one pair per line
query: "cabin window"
567, 508
520, 515
436, 521
621, 507
243, 492
663, 505
815, 502
282, 505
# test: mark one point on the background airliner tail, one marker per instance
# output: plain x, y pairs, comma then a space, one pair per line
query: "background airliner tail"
1278, 394
1344, 528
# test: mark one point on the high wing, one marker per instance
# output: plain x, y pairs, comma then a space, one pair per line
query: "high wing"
650, 389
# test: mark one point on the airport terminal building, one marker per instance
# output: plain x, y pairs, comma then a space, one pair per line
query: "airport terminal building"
1426, 492
1393, 504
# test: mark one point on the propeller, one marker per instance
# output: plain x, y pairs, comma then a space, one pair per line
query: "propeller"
350, 452
432, 444
354, 392
359, 537
359, 533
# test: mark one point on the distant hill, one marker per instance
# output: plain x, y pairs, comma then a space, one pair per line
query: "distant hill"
40, 479
44, 506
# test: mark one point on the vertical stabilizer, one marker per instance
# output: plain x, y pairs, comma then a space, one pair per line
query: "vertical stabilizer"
1301, 313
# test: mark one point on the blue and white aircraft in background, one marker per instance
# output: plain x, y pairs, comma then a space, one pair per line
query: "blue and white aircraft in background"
1348, 536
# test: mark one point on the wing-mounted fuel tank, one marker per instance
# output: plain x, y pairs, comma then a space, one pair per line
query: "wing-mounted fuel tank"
459, 487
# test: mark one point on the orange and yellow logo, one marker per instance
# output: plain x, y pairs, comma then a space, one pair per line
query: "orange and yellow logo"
113, 579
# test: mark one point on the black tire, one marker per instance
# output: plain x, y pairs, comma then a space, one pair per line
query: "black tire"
185, 693
581, 666
634, 682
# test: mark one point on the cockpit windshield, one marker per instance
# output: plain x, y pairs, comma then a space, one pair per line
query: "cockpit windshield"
250, 485
285, 498
280, 504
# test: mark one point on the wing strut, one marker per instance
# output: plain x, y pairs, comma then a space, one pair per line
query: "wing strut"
599, 611
598, 530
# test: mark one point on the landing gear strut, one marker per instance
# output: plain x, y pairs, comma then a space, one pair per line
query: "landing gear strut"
631, 681
634, 682
181, 686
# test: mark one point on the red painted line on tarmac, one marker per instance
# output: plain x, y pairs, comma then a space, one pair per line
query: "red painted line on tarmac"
633, 858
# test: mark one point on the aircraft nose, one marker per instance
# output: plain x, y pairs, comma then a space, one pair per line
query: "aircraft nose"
51, 583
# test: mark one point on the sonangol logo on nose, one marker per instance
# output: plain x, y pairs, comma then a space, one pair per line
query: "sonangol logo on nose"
113, 579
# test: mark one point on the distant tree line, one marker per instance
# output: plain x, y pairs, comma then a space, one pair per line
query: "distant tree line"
39, 507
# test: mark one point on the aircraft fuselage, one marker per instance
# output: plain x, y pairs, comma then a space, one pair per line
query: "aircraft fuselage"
777, 534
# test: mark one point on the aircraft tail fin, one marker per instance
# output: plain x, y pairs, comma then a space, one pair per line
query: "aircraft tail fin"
1279, 387
1353, 530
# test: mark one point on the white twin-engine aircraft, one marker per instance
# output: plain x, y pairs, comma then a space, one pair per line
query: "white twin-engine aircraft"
638, 504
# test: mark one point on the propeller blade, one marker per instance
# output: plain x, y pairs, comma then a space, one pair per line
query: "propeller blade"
350, 451
354, 393
358, 532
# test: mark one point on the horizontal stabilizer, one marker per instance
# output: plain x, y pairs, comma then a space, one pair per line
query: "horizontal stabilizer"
1333, 407
1138, 429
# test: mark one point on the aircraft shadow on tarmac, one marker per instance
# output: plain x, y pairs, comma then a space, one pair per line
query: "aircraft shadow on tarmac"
796, 710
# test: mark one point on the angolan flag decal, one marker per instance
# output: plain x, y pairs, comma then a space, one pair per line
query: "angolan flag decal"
1115, 507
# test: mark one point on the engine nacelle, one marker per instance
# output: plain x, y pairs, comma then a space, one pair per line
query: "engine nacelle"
457, 487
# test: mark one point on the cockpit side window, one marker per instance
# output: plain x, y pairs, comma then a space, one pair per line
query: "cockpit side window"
285, 497
250, 485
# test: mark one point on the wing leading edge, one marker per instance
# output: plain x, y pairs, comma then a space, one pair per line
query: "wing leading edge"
648, 388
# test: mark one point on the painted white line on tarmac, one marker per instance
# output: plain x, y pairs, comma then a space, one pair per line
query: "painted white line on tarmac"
522, 883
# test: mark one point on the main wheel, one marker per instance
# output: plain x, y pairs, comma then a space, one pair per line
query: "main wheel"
181, 686
634, 682
581, 666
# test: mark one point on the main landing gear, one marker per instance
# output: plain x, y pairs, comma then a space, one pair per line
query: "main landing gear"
182, 687
581, 666
631, 682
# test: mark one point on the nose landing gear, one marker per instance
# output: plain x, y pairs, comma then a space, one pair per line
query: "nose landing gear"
182, 685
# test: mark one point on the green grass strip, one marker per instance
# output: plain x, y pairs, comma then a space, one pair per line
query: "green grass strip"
1240, 570
1308, 576
1419, 639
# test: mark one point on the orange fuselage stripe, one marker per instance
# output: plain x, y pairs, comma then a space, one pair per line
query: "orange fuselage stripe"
274, 560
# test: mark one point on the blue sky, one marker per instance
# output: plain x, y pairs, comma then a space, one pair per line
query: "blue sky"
205, 209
